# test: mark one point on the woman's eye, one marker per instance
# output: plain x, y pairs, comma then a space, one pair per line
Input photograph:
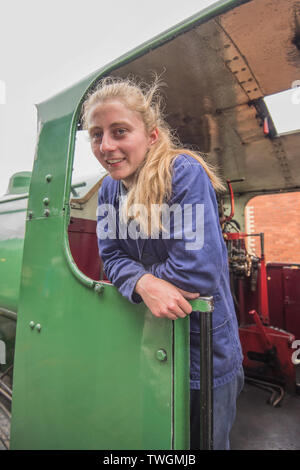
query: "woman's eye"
120, 132
96, 137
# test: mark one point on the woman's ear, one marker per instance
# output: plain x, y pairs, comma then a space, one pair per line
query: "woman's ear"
153, 136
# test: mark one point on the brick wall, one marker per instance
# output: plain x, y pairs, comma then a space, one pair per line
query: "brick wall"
278, 216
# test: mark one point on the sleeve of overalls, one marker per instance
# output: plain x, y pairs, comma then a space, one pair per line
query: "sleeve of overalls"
119, 267
195, 260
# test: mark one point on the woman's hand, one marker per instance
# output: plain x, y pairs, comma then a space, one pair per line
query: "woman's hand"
163, 298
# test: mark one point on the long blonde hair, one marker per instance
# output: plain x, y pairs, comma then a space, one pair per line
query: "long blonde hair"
152, 182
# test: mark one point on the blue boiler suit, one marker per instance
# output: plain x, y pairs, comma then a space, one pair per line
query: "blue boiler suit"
203, 270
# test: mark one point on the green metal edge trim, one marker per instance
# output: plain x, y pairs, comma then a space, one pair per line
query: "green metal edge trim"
181, 374
180, 416
85, 280
72, 265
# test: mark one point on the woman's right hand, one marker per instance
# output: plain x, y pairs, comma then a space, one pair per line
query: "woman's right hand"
163, 298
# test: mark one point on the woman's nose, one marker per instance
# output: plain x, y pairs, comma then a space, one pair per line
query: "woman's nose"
107, 143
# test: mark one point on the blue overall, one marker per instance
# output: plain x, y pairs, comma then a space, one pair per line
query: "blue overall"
203, 269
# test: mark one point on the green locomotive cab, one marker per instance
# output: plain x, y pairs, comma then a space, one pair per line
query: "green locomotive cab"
91, 370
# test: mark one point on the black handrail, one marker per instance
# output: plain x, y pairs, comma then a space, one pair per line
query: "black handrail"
206, 376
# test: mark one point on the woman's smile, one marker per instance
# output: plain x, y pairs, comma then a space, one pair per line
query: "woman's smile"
114, 162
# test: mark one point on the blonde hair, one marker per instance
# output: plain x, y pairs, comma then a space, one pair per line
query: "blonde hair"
152, 182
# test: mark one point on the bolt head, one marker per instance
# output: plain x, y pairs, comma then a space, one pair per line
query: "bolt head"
161, 355
99, 288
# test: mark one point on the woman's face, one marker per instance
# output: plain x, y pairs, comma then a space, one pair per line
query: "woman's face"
119, 139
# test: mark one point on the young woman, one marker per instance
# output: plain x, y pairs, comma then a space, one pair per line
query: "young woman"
165, 264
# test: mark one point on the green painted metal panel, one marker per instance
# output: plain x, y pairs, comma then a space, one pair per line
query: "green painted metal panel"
90, 378
181, 384
53, 148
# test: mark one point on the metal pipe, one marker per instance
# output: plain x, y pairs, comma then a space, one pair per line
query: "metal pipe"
4, 443
4, 393
5, 387
8, 414
8, 314
242, 312
6, 371
15, 198
262, 244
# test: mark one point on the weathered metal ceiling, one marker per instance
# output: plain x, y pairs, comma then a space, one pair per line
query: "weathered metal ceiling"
214, 74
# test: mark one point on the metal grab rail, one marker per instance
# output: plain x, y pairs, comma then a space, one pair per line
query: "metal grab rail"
205, 306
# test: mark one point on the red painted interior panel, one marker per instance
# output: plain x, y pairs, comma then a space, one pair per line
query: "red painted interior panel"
84, 248
283, 294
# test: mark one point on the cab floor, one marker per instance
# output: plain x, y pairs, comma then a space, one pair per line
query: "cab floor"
261, 426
